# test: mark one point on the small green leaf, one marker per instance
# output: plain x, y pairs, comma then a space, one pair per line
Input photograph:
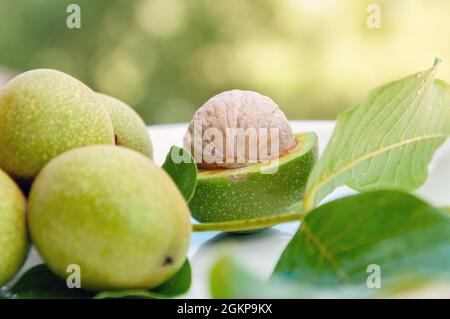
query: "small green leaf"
40, 283
180, 165
127, 294
387, 141
406, 237
229, 280
177, 285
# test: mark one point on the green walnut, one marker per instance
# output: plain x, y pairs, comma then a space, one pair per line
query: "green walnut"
13, 229
129, 128
44, 113
242, 193
114, 213
235, 183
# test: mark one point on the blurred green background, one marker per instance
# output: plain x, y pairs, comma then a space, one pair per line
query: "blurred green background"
167, 57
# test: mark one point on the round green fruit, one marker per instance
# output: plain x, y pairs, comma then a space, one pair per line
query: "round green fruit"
256, 190
129, 128
114, 213
44, 113
13, 230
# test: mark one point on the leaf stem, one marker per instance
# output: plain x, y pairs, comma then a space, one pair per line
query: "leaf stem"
248, 224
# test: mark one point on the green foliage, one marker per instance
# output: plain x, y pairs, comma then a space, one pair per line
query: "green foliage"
167, 57
404, 235
229, 280
329, 256
387, 141
40, 283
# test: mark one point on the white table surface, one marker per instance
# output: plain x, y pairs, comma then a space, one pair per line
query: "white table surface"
260, 251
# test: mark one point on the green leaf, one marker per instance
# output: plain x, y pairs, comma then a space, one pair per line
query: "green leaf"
180, 165
229, 280
40, 283
177, 285
387, 141
406, 237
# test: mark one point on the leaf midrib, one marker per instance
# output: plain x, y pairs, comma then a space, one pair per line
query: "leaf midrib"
323, 251
326, 178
